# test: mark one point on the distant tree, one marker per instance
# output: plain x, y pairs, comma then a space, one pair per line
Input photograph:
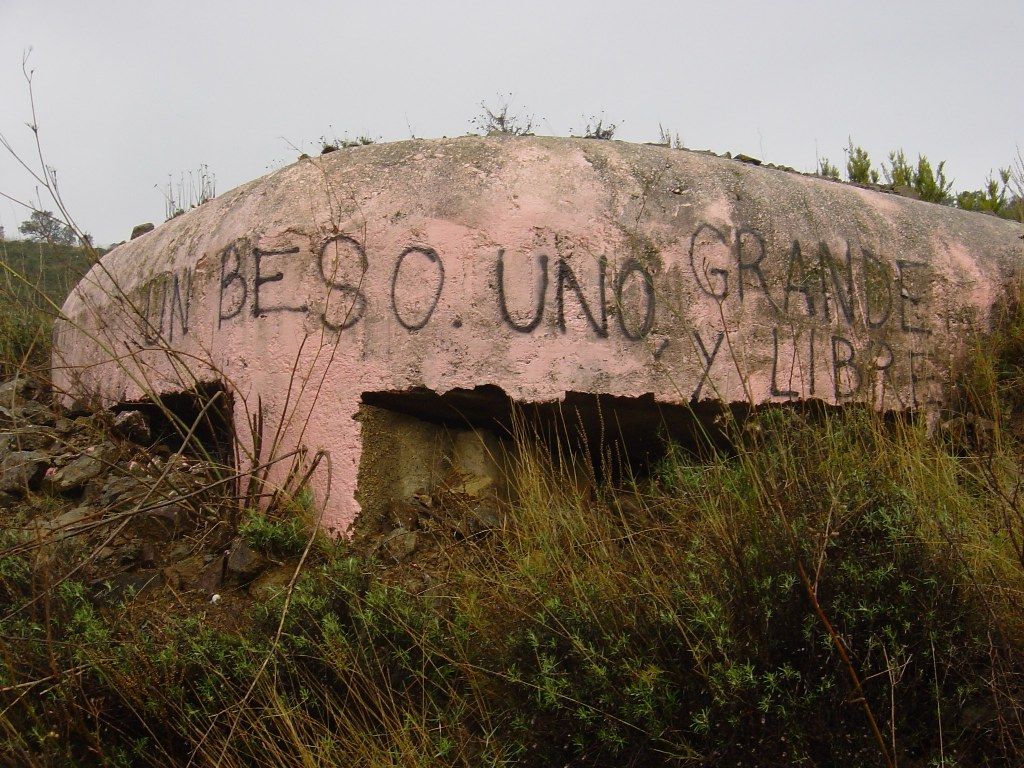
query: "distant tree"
44, 227
3, 236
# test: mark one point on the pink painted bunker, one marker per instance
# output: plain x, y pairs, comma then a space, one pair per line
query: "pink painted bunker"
351, 294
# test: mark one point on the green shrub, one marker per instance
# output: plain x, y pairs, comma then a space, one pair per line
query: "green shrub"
993, 198
827, 169
667, 626
34, 279
858, 165
278, 536
930, 184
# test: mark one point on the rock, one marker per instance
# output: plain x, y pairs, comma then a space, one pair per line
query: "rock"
161, 524
400, 543
140, 229
133, 426
172, 577
209, 578
94, 462
26, 439
147, 554
746, 159
129, 553
28, 412
22, 470
70, 523
119, 490
969, 427
406, 515
171, 514
904, 191
244, 562
15, 391
125, 585
478, 486
272, 583
484, 516
180, 551
480, 518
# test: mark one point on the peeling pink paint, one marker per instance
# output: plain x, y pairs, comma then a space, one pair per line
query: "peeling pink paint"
376, 268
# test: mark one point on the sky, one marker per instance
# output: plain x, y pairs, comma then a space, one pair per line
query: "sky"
130, 95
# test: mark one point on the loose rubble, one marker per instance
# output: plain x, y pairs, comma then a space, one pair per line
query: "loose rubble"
92, 488
130, 517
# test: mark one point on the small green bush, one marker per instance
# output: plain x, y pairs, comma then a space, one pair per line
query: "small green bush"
827, 169
993, 198
34, 279
280, 537
858, 166
930, 184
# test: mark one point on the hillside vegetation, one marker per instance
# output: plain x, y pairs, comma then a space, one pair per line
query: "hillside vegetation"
34, 279
833, 588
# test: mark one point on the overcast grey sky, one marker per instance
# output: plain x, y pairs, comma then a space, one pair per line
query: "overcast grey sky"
130, 92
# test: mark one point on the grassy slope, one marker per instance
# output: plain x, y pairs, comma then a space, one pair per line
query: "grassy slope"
53, 269
34, 279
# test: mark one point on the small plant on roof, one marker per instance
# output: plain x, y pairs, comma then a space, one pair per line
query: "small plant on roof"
858, 165
502, 120
1017, 182
899, 173
668, 139
597, 128
993, 198
186, 194
827, 169
332, 143
930, 184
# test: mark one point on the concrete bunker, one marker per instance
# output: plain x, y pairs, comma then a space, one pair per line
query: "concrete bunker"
652, 284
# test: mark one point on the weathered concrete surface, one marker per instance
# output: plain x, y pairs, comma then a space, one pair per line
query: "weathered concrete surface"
538, 265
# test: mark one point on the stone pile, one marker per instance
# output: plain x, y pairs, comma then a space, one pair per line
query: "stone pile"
135, 514
103, 492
